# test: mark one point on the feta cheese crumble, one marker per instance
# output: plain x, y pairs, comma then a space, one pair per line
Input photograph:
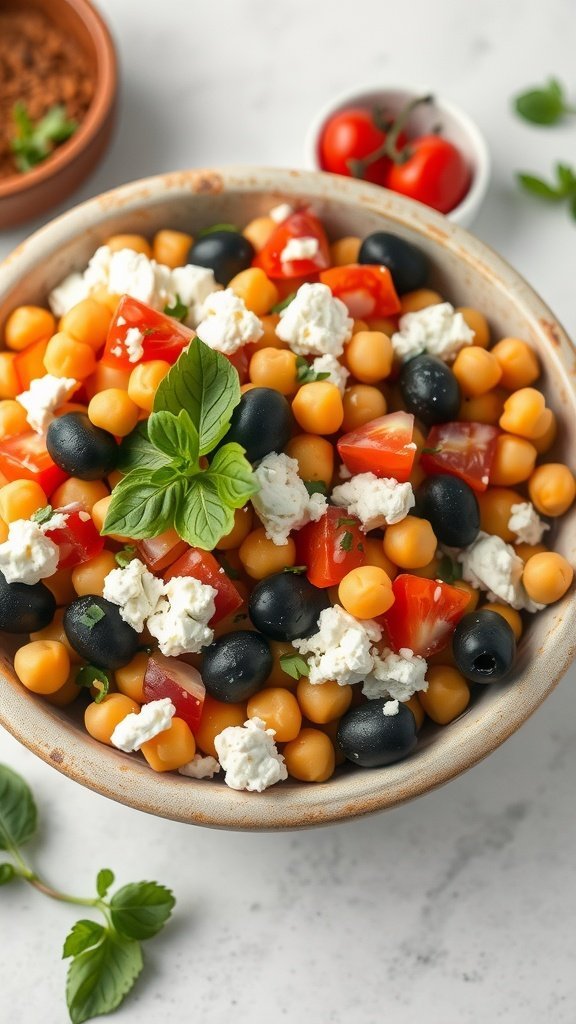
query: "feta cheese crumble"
281, 212
249, 756
337, 374
226, 324
391, 708
180, 620
438, 330
133, 343
341, 650
44, 396
315, 323
193, 285
492, 565
28, 556
282, 501
135, 590
136, 729
200, 767
376, 501
303, 248
525, 522
395, 675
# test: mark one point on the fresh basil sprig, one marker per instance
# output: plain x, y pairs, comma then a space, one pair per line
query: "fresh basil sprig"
169, 481
106, 959
544, 105
563, 190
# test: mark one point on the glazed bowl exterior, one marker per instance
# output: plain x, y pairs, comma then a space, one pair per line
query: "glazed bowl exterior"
467, 273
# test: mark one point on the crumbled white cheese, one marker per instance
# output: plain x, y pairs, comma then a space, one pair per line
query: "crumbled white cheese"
120, 321
395, 675
303, 248
72, 290
133, 343
391, 708
180, 620
282, 501
315, 323
28, 556
44, 395
249, 756
525, 522
85, 517
438, 330
135, 590
281, 212
344, 473
193, 285
492, 565
57, 521
377, 501
200, 767
337, 374
136, 729
226, 324
341, 650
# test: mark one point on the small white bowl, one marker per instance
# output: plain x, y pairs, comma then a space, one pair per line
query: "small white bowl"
456, 126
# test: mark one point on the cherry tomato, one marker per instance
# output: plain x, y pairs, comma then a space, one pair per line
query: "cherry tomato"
301, 224
465, 450
383, 446
25, 457
424, 614
164, 337
204, 567
331, 547
170, 677
365, 289
435, 173
78, 540
159, 552
353, 135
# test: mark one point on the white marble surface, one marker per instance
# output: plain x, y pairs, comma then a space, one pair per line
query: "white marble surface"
456, 909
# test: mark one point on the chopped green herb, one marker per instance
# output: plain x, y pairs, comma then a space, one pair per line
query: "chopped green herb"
296, 569
347, 522
43, 515
346, 541
449, 571
432, 451
34, 142
216, 227
285, 302
305, 374
89, 676
315, 487
179, 310
545, 105
92, 615
125, 556
360, 547
294, 665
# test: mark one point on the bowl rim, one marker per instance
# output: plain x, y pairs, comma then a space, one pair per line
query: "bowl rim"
106, 85
469, 206
129, 780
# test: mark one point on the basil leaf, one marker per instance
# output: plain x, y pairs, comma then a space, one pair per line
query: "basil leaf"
18, 814
175, 436
542, 106
294, 665
138, 452
99, 978
206, 385
143, 507
566, 179
538, 187
201, 518
140, 910
83, 935
216, 227
232, 474
7, 873
104, 880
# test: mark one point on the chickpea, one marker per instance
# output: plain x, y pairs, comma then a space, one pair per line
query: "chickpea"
369, 355
67, 693
171, 248
411, 543
412, 302
496, 509
274, 368
513, 618
514, 460
344, 251
374, 552
43, 666
362, 403
9, 380
12, 418
278, 677
261, 557
323, 702
20, 499
243, 519
130, 678
256, 289
386, 324
170, 749
519, 363
105, 377
552, 489
478, 323
318, 408
88, 577
66, 357
486, 408
60, 584
476, 370
525, 413
473, 594
55, 631
417, 476
135, 242
26, 325
366, 592
547, 577
269, 338
543, 444
279, 709
258, 231
88, 322
447, 696
85, 492
144, 381
310, 757
3, 531
106, 298
430, 571
525, 551
314, 455
217, 716
115, 411
101, 719
417, 710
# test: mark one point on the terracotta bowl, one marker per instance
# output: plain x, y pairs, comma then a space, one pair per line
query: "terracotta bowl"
24, 196
466, 272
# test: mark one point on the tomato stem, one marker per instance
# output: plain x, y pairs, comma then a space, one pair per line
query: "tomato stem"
389, 147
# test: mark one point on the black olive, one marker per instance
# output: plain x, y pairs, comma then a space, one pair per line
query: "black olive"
98, 633
236, 665
430, 390
371, 739
225, 252
80, 448
287, 606
451, 508
484, 646
407, 264
261, 423
23, 608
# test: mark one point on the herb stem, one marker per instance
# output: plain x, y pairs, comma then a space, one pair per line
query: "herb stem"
63, 897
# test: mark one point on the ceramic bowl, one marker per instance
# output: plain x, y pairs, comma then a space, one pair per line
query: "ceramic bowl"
456, 126
466, 272
24, 196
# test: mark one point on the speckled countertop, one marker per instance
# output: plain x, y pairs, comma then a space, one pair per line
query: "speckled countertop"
459, 908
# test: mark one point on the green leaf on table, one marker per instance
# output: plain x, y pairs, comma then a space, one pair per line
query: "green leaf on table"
140, 910
99, 978
83, 935
202, 518
18, 814
174, 436
232, 474
138, 452
7, 873
104, 880
538, 187
143, 507
545, 105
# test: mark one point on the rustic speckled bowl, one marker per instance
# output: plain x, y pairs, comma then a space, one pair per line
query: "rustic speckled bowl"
466, 272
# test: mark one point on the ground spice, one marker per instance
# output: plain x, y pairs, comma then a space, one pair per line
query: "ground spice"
40, 67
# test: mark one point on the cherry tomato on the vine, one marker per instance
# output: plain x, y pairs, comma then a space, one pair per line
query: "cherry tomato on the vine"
435, 173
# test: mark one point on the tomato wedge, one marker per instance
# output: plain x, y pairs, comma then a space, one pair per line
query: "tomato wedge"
204, 567
465, 450
331, 547
164, 337
25, 457
169, 677
78, 540
383, 446
424, 614
301, 224
366, 289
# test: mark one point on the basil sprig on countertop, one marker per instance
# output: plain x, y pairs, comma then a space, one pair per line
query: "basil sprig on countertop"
169, 481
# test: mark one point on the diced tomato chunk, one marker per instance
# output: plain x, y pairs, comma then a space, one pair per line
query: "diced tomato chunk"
164, 337
159, 552
424, 614
170, 677
78, 540
465, 450
302, 224
383, 446
365, 289
331, 547
204, 567
25, 457
240, 361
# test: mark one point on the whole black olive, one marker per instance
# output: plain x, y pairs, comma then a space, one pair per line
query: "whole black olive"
261, 423
236, 665
451, 507
371, 739
484, 646
24, 608
430, 390
80, 448
286, 606
98, 633
407, 264
224, 252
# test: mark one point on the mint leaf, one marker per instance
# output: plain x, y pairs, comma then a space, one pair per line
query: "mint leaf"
217, 227
90, 676
104, 880
143, 507
179, 310
294, 665
233, 475
43, 515
7, 873
201, 518
305, 374
18, 814
83, 935
206, 385
99, 978
91, 616
315, 487
125, 556
175, 436
138, 452
140, 910
543, 106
